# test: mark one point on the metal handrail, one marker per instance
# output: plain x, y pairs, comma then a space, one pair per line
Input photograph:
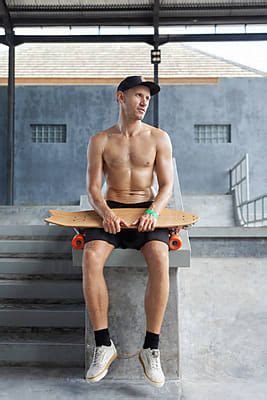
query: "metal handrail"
239, 184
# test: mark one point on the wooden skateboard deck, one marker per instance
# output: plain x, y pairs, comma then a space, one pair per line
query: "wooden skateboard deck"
168, 218
77, 220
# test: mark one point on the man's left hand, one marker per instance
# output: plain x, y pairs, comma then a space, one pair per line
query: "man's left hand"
146, 223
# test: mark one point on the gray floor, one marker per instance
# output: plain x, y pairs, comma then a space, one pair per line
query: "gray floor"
66, 383
62, 384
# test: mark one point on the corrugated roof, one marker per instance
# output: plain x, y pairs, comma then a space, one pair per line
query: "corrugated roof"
111, 60
135, 12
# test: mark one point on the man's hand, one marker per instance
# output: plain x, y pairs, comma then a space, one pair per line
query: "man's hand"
146, 223
112, 223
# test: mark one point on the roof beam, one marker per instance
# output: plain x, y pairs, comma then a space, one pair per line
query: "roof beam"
149, 39
111, 20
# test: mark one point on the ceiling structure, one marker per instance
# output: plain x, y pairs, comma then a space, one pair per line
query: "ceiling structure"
29, 13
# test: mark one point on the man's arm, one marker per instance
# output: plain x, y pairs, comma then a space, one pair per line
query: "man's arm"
164, 171
94, 174
111, 223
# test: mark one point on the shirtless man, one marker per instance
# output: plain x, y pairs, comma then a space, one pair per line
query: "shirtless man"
128, 154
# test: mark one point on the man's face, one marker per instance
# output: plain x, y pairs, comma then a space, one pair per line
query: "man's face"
136, 102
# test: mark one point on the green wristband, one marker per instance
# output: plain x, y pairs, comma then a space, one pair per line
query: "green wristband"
152, 212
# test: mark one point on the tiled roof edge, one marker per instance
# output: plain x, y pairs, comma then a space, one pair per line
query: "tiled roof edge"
242, 66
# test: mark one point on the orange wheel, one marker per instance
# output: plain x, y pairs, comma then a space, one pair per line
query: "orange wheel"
78, 242
175, 242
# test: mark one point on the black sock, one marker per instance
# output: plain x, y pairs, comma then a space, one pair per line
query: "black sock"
102, 337
151, 340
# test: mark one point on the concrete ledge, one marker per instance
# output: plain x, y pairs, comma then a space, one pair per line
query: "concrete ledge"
226, 232
57, 232
127, 323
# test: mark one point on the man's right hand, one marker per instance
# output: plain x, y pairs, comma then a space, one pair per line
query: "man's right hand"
112, 223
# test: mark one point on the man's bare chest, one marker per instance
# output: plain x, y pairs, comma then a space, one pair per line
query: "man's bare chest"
135, 153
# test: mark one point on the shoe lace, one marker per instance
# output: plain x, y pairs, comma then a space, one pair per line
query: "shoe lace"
155, 360
98, 355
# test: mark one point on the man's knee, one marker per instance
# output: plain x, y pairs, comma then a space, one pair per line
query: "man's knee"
156, 252
95, 254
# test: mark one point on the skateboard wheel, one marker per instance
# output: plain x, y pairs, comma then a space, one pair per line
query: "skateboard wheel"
78, 242
175, 242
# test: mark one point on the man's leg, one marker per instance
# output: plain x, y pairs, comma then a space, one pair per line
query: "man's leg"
156, 254
95, 290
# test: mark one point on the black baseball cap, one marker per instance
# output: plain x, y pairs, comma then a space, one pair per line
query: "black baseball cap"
132, 81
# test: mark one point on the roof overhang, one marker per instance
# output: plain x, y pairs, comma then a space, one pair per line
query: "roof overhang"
30, 13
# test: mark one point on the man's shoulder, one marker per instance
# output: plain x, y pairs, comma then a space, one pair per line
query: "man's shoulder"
161, 139
102, 135
99, 137
154, 130
159, 133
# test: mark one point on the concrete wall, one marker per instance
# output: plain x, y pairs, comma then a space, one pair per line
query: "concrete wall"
222, 314
203, 168
55, 173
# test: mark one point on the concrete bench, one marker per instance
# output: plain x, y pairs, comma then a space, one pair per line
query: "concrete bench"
126, 276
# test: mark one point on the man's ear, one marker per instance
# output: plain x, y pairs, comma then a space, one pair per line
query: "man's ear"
120, 96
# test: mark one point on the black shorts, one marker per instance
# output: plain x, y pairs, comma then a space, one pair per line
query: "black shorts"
127, 238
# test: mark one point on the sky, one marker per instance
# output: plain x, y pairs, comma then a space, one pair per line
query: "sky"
250, 53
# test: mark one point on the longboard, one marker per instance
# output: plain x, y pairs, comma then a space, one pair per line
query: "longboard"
168, 218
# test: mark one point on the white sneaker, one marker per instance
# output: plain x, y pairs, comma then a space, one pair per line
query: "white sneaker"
150, 360
102, 358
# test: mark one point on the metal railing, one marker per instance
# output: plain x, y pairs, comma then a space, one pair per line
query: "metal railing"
248, 212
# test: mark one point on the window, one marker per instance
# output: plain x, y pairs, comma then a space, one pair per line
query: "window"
49, 133
212, 133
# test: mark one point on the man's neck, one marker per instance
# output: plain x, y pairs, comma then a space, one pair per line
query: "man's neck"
129, 129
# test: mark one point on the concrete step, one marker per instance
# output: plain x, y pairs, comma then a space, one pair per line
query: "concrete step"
35, 232
40, 289
37, 266
213, 210
42, 315
35, 248
50, 348
228, 242
30, 215
35, 242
